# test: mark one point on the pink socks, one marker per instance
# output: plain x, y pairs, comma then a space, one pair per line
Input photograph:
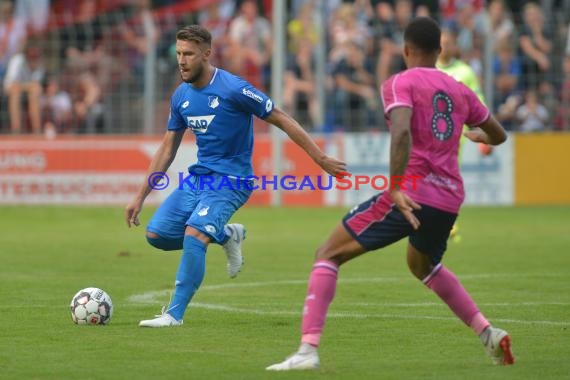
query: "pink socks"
449, 289
320, 293
322, 287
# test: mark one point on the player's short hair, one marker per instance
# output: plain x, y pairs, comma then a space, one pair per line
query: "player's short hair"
195, 33
424, 34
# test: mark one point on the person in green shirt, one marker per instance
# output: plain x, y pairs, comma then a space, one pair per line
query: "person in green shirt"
449, 63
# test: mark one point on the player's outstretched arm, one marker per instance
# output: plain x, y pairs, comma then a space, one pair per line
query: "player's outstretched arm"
160, 163
290, 126
489, 132
400, 147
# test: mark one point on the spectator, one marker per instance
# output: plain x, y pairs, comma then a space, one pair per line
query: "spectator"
34, 13
448, 9
87, 66
12, 35
506, 113
83, 51
470, 28
391, 44
449, 62
139, 33
355, 95
302, 28
532, 115
377, 24
422, 10
567, 47
345, 27
85, 93
501, 23
507, 70
23, 77
213, 20
563, 115
225, 9
536, 47
57, 109
299, 84
250, 39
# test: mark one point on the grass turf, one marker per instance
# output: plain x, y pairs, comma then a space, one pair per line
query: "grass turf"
383, 323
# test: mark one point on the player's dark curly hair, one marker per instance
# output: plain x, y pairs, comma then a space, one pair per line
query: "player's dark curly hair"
195, 33
424, 34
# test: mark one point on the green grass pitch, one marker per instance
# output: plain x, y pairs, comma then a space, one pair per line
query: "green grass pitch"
383, 323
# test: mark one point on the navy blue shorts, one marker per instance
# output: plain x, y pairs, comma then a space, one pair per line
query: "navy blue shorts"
377, 223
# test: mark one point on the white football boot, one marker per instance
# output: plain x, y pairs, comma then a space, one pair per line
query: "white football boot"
497, 343
232, 248
162, 320
307, 358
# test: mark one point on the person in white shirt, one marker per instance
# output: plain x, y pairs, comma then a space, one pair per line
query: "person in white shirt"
24, 77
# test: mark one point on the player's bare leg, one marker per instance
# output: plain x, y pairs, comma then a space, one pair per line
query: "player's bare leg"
446, 285
338, 249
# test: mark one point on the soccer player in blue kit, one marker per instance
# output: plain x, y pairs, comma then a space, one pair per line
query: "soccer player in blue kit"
219, 108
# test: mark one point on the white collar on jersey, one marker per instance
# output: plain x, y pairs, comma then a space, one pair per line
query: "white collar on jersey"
214, 76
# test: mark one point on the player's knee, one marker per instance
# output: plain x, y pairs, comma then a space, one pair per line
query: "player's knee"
152, 235
325, 253
165, 244
321, 253
420, 268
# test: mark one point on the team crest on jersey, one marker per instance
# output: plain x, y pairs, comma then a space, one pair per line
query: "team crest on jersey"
213, 101
185, 104
210, 229
200, 124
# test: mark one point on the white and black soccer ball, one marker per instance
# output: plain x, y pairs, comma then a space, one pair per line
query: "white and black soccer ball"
91, 306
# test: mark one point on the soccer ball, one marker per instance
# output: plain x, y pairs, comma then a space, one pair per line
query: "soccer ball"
91, 306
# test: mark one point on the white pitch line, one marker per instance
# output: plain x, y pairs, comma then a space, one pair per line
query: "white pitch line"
237, 285
239, 310
151, 298
431, 304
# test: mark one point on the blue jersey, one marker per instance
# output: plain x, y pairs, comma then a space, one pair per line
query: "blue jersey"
221, 116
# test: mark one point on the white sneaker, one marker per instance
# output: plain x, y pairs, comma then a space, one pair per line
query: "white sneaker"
498, 345
162, 320
232, 248
298, 361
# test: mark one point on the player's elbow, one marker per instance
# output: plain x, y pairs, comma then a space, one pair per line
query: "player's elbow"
499, 138
503, 137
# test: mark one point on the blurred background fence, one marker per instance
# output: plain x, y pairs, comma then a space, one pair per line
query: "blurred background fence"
108, 66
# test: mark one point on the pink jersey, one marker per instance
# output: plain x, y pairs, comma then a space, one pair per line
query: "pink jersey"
440, 107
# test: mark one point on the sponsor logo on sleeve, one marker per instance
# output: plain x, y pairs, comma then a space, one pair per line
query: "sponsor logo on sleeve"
251, 94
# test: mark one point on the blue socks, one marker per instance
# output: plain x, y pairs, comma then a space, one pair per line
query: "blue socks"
189, 276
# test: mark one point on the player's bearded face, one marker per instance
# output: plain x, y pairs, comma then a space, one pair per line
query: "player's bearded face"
195, 74
190, 61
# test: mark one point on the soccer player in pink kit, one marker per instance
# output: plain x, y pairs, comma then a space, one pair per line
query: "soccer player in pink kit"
426, 109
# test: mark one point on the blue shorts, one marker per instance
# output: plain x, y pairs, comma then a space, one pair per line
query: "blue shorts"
207, 208
377, 223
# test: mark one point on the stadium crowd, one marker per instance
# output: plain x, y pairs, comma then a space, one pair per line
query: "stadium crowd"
79, 66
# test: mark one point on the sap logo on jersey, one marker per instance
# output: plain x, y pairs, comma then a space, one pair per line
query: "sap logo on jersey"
200, 123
